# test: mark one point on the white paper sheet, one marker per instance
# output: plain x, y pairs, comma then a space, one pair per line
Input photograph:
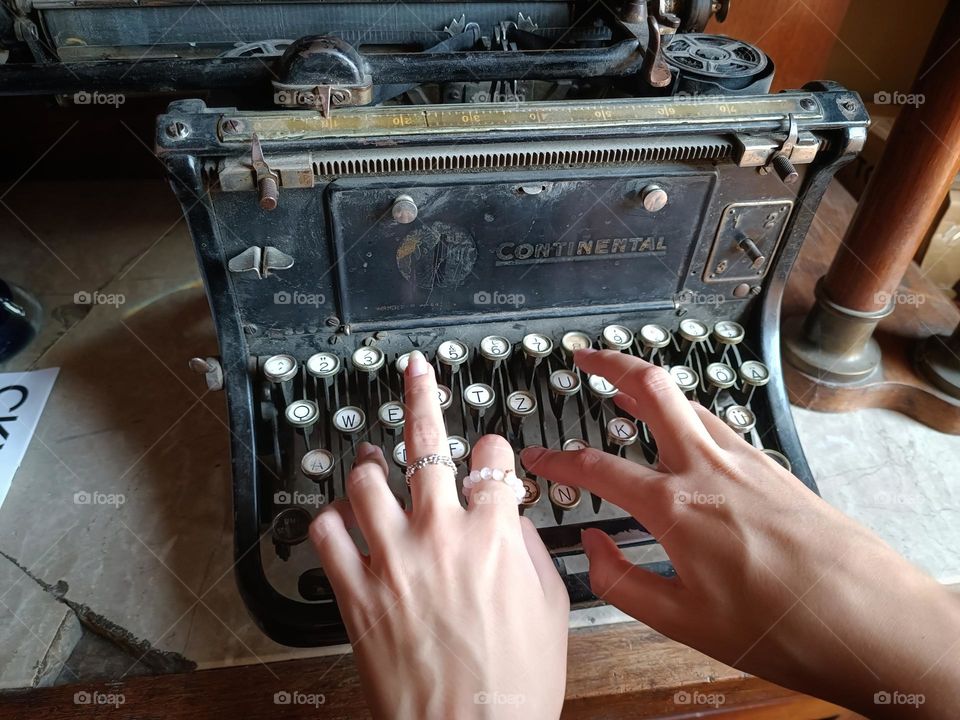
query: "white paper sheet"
22, 398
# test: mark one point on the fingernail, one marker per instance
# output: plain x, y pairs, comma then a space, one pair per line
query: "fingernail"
417, 364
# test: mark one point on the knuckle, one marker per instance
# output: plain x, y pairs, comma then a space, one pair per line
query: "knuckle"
321, 527
492, 444
425, 436
650, 379
587, 461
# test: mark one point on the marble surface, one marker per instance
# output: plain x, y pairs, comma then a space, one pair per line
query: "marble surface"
149, 562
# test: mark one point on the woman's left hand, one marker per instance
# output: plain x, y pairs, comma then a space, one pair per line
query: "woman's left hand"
455, 613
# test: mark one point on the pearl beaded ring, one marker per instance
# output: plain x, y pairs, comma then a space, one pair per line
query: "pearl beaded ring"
508, 477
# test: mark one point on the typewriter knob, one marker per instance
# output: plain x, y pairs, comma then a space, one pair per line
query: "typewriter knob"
531, 492
654, 337
452, 353
622, 432
495, 348
444, 396
280, 368
754, 373
291, 526
302, 413
686, 378
391, 414
317, 464
573, 341
601, 387
564, 496
459, 448
521, 403
779, 458
693, 331
720, 375
740, 418
349, 419
478, 397
654, 198
399, 454
323, 365
727, 332
404, 210
368, 359
574, 444
564, 383
537, 346
617, 337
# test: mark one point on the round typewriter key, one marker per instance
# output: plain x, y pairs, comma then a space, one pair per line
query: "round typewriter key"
575, 340
531, 492
521, 404
685, 378
391, 414
740, 418
654, 336
537, 346
621, 431
720, 376
349, 419
452, 353
401, 363
617, 337
478, 396
302, 413
564, 382
459, 448
495, 348
280, 368
317, 464
779, 458
727, 332
754, 373
323, 365
368, 359
601, 387
564, 496
574, 444
290, 526
693, 331
444, 396
399, 454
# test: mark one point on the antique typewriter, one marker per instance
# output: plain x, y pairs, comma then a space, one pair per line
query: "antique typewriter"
495, 184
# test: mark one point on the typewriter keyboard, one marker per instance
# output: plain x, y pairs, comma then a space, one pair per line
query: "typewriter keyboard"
319, 408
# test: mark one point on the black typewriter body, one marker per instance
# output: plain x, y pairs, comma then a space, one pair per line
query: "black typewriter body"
495, 234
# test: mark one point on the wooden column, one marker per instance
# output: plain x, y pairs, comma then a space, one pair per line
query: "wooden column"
834, 344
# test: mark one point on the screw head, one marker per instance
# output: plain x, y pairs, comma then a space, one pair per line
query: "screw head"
177, 130
654, 198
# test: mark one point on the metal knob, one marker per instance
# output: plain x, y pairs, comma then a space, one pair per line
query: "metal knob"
785, 169
654, 198
404, 210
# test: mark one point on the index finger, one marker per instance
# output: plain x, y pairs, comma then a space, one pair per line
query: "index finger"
433, 486
661, 406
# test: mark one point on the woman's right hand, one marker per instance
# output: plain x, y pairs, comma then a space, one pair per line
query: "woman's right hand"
770, 578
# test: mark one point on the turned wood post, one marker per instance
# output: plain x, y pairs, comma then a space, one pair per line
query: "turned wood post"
922, 158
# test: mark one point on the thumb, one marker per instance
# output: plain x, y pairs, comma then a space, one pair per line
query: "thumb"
648, 597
